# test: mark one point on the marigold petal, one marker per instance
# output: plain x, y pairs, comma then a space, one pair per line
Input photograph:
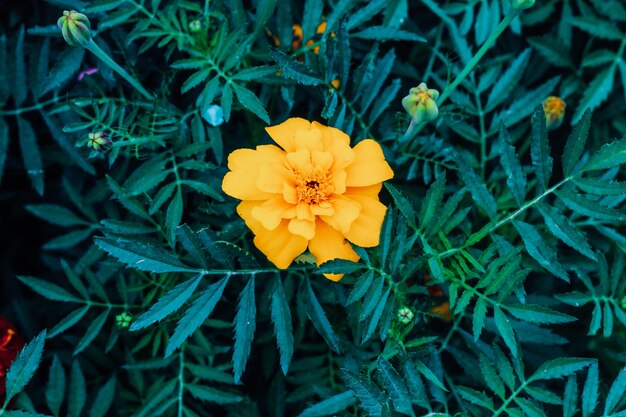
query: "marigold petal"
322, 209
339, 181
330, 135
245, 159
280, 246
304, 212
365, 230
304, 228
329, 244
369, 166
309, 139
244, 209
290, 194
272, 178
300, 160
242, 185
272, 211
284, 134
323, 160
369, 191
346, 212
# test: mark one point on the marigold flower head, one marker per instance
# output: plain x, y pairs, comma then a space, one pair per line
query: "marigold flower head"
10, 345
421, 103
314, 191
554, 109
75, 28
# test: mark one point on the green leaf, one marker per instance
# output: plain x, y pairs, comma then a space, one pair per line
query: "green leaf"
55, 214
30, 154
570, 398
281, 317
199, 311
366, 13
339, 266
317, 316
507, 81
431, 205
49, 290
491, 377
330, 406
595, 93
92, 332
251, 102
204, 393
553, 50
590, 391
539, 249
600, 28
505, 330
588, 207
429, 375
141, 256
601, 187
616, 393
415, 385
540, 149
24, 366
481, 195
608, 156
395, 387
255, 73
478, 318
561, 227
104, 399
55, 390
174, 215
19, 84
4, 145
311, 17
516, 180
382, 33
77, 393
361, 287
371, 399
295, 70
245, 324
169, 303
538, 314
575, 145
476, 397
403, 204
227, 100
192, 244
559, 368
374, 319
70, 320
67, 64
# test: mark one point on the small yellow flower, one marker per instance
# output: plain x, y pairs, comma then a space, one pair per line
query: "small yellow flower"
314, 191
297, 36
336, 84
554, 109
421, 103
75, 28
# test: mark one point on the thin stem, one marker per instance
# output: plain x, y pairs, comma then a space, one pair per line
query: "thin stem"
97, 51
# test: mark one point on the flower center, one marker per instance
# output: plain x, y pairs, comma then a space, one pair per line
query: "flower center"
313, 187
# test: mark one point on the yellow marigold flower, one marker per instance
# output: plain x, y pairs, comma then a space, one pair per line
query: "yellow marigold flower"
554, 109
421, 103
314, 191
297, 36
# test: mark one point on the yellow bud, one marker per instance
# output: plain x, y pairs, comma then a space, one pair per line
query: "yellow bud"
554, 109
421, 103
75, 28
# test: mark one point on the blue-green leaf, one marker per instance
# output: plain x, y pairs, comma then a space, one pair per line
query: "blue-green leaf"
395, 387
24, 367
281, 317
608, 156
318, 318
540, 149
575, 145
539, 249
516, 180
330, 406
559, 368
251, 102
245, 324
49, 290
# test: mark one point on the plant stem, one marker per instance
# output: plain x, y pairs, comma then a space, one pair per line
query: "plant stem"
97, 51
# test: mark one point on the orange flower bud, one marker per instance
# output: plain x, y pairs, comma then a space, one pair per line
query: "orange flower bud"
554, 109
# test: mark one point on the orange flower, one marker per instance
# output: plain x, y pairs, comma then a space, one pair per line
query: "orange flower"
554, 109
316, 192
10, 345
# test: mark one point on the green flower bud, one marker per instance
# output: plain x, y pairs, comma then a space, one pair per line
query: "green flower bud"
623, 302
421, 103
123, 320
195, 26
405, 315
522, 4
99, 140
75, 28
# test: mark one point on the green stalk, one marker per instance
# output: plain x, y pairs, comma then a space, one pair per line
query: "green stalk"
97, 51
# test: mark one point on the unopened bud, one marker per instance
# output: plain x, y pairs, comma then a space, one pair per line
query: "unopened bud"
98, 140
75, 27
421, 103
623, 303
405, 315
554, 109
123, 320
522, 4
195, 26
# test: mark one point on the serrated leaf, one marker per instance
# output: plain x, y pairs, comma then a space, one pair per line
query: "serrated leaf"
251, 102
371, 399
245, 324
575, 145
595, 93
505, 330
49, 290
403, 204
382, 33
491, 377
92, 332
516, 180
281, 317
169, 303
19, 85
540, 149
339, 266
559, 368
104, 399
55, 390
538, 314
204, 393
199, 311
600, 28
539, 250
23, 367
588, 207
295, 70
67, 64
600, 187
507, 81
77, 392
590, 391
561, 227
481, 195
330, 406
141, 256
553, 50
431, 205
616, 393
31, 154
67, 322
55, 214
608, 156
318, 317
395, 387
